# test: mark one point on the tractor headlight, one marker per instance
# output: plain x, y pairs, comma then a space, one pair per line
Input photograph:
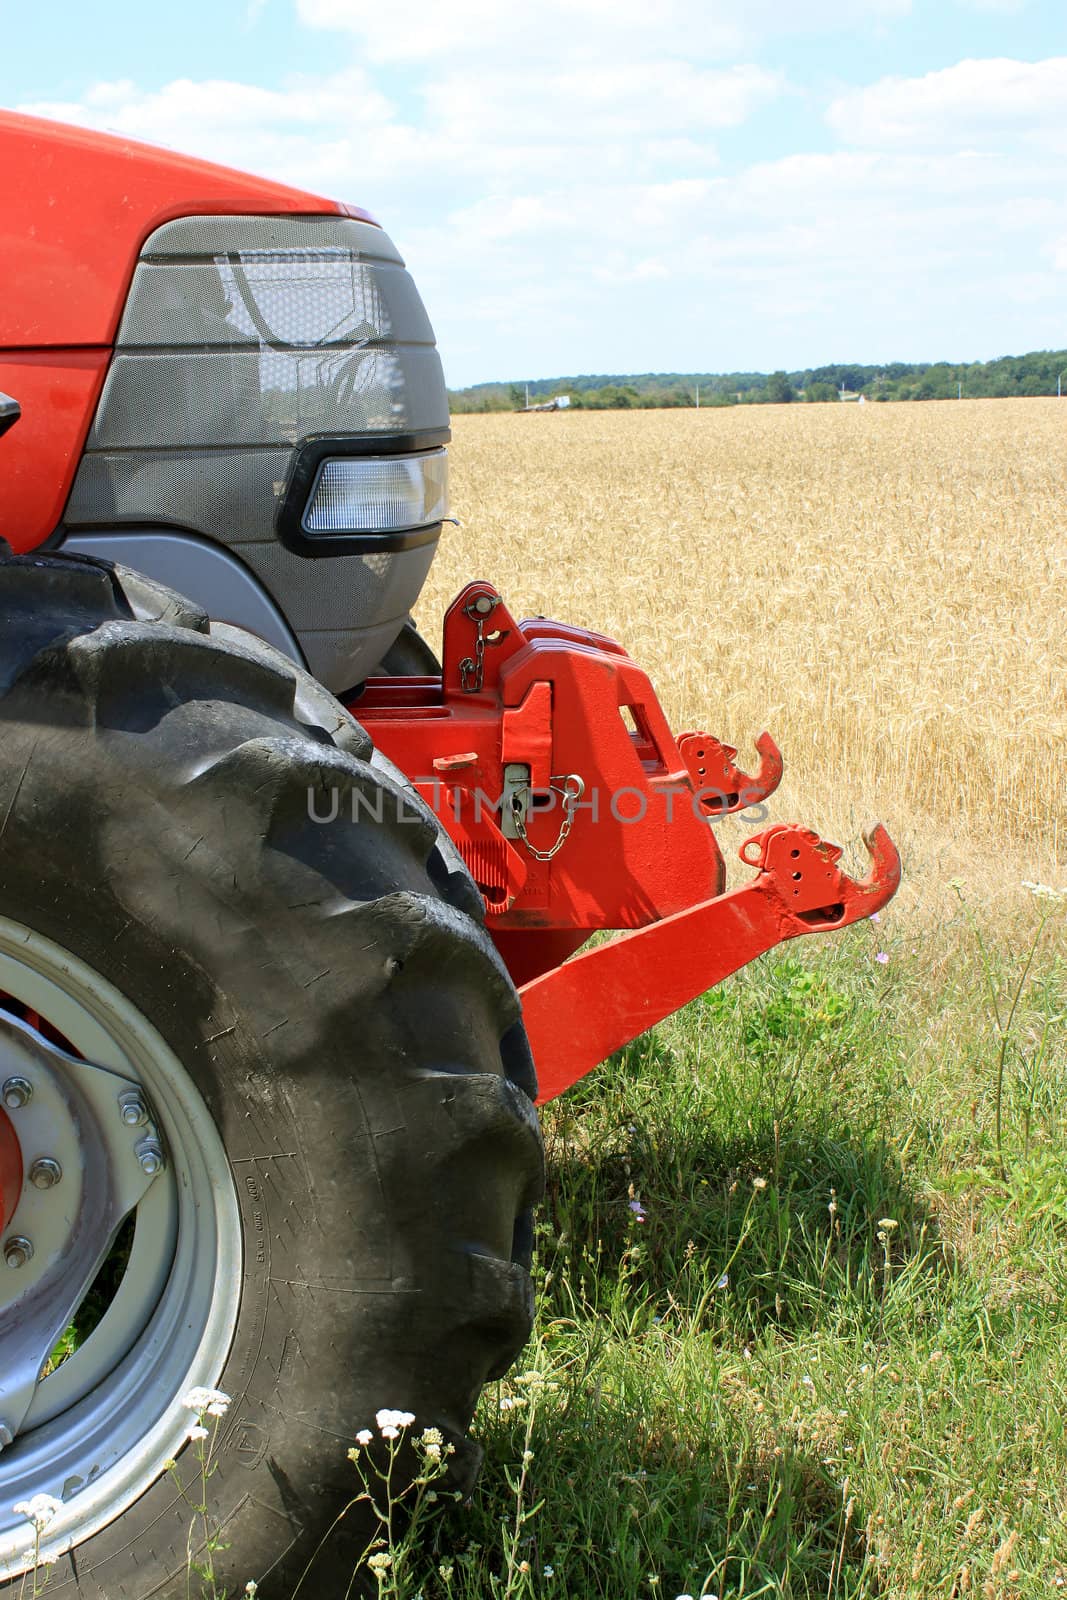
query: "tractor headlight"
384, 495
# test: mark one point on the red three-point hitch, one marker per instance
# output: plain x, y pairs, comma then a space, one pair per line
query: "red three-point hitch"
581, 1012
548, 758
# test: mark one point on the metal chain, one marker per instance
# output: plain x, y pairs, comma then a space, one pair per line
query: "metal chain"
472, 668
571, 787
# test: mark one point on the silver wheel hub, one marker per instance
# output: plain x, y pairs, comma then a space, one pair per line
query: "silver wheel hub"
114, 1138
74, 1200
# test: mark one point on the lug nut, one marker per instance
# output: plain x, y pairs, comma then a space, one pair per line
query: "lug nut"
16, 1092
133, 1110
150, 1155
17, 1250
45, 1173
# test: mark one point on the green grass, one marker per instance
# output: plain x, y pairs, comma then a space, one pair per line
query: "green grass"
830, 1360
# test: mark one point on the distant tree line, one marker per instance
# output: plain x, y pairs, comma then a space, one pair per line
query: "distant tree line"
1033, 374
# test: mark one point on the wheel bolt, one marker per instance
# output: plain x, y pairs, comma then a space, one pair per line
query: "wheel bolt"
16, 1092
45, 1173
133, 1110
17, 1250
150, 1155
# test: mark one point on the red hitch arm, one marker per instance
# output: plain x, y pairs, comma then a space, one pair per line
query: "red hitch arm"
581, 1012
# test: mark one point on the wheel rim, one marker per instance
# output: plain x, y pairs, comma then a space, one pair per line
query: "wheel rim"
101, 1427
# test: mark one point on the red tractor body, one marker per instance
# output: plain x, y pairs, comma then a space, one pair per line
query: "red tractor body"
542, 748
77, 208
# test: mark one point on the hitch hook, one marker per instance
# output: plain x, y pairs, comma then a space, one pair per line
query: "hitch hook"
802, 871
720, 784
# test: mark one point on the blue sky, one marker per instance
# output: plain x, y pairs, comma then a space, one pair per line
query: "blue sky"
629, 185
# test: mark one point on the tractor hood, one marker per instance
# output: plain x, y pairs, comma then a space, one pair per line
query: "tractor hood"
75, 209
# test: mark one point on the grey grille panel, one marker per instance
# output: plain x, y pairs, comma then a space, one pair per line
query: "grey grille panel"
329, 594
243, 336
209, 236
235, 498
340, 659
164, 401
180, 304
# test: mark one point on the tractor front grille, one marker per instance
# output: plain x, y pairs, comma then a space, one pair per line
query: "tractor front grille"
242, 338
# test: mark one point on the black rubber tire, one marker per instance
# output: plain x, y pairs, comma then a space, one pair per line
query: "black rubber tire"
331, 992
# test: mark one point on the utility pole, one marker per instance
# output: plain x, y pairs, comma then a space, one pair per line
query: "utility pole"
698, 397
1059, 385
527, 397
959, 391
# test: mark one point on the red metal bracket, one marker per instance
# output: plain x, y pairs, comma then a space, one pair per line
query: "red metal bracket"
720, 785
612, 833
592, 1005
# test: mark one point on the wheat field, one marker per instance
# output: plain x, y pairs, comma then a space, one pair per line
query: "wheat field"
802, 1294
884, 587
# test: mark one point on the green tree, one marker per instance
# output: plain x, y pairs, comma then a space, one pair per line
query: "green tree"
779, 389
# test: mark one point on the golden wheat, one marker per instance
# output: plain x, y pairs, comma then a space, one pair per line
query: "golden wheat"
884, 587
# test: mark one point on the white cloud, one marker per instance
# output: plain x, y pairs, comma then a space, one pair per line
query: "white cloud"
306, 133
606, 100
465, 128
974, 101
425, 30
470, 30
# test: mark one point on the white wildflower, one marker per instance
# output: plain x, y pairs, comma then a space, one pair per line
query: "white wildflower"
251, 1589
1044, 891
213, 1401
549, 1572
196, 1432
40, 1509
394, 1420
380, 1562
364, 1436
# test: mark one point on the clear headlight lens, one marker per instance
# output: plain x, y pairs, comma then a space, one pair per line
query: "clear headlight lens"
378, 494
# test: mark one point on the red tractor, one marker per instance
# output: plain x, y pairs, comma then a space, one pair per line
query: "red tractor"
289, 911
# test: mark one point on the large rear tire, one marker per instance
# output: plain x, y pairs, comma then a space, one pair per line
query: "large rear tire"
176, 819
